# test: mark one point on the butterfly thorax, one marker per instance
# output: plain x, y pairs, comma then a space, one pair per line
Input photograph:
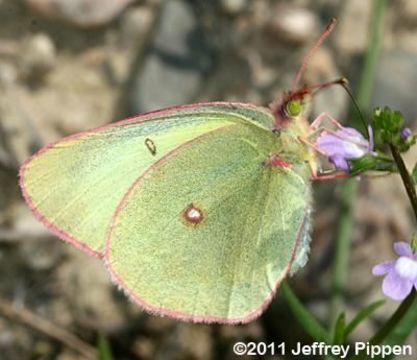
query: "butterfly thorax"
289, 144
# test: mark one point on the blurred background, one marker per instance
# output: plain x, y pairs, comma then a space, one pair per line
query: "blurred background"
70, 65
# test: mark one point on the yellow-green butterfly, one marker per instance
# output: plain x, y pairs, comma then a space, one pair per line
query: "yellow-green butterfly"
199, 211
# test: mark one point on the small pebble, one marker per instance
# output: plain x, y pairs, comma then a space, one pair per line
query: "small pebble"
408, 10
351, 33
295, 25
136, 24
8, 74
234, 7
38, 56
81, 13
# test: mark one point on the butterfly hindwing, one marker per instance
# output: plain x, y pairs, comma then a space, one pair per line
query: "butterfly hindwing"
208, 232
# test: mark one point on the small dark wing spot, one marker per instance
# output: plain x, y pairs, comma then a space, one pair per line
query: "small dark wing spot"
193, 215
277, 132
151, 146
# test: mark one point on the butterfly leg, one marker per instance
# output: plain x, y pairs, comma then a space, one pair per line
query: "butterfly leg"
310, 143
323, 175
317, 127
329, 176
317, 122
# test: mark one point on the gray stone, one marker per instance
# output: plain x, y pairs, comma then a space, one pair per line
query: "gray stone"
234, 7
294, 25
82, 13
396, 83
136, 24
351, 33
38, 56
173, 67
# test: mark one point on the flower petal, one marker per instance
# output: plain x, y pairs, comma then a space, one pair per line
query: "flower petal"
329, 144
339, 162
350, 134
342, 145
396, 287
406, 268
354, 151
405, 133
371, 138
403, 248
383, 268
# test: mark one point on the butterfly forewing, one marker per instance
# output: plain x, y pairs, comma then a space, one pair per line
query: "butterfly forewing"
75, 185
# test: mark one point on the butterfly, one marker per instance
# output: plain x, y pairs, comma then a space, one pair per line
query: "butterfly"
199, 212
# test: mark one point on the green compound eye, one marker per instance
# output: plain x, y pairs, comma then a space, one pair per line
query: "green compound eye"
294, 107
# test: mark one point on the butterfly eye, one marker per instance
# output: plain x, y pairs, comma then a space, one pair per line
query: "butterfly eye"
293, 108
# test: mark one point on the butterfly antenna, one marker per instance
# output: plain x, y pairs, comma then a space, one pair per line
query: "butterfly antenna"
329, 28
345, 84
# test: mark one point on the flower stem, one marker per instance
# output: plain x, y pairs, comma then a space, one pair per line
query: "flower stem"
343, 237
403, 309
390, 325
394, 319
405, 176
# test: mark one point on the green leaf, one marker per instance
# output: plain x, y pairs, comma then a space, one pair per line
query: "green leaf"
387, 126
104, 349
387, 123
406, 311
413, 243
339, 329
371, 162
362, 315
304, 317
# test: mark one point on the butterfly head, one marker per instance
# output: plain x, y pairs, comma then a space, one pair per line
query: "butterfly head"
293, 105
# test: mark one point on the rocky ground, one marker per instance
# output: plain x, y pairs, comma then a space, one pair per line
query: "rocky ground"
67, 66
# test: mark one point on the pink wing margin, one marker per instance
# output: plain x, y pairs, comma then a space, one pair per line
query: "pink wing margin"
135, 119
152, 309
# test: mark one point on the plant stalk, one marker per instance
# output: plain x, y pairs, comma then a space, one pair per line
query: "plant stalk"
346, 219
405, 176
404, 307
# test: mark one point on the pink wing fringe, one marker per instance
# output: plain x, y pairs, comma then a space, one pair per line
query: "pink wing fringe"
199, 318
105, 254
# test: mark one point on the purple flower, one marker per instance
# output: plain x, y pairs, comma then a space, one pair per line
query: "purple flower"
405, 133
400, 274
342, 145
